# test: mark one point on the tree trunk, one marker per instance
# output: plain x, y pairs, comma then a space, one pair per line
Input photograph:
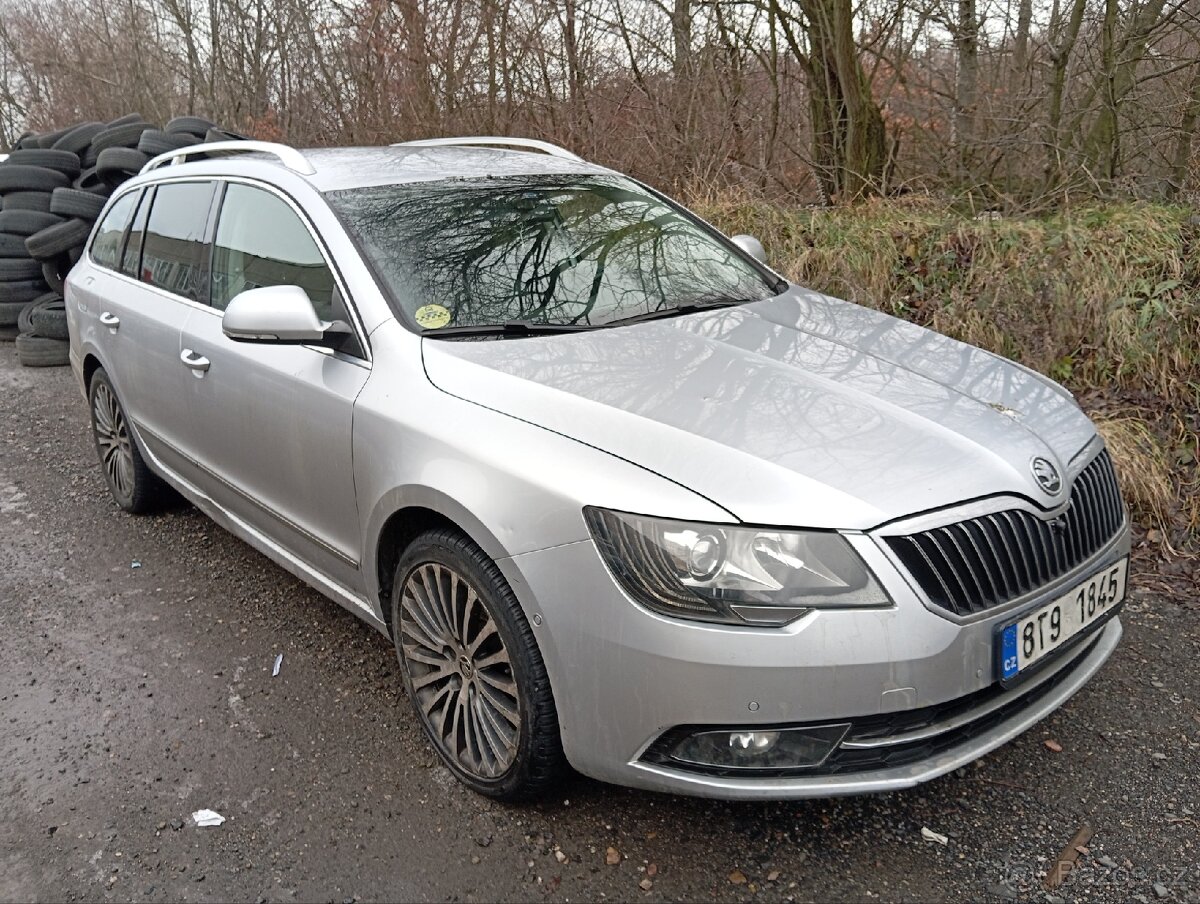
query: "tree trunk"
966, 41
1182, 157
1021, 43
1060, 57
1115, 81
681, 38
849, 137
1101, 146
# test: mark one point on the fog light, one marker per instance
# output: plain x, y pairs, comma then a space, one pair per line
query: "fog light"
758, 741
757, 749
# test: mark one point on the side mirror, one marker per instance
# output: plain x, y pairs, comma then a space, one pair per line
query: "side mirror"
282, 314
751, 246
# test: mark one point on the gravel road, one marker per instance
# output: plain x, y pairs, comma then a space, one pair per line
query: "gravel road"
135, 688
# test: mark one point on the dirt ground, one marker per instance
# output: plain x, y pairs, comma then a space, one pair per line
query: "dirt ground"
136, 687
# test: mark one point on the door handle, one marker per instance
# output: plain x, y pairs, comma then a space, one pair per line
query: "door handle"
110, 320
196, 362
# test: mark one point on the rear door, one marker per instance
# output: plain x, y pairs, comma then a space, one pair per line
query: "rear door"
148, 279
272, 423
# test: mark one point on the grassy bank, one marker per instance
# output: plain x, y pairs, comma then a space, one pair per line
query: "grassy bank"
1105, 300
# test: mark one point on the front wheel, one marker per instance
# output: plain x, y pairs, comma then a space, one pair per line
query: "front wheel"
473, 670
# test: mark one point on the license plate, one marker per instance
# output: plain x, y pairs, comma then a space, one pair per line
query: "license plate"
1048, 628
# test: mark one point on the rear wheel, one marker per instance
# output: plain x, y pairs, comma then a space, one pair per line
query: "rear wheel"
134, 486
473, 670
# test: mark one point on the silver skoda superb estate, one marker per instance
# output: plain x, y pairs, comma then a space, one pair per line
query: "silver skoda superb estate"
622, 496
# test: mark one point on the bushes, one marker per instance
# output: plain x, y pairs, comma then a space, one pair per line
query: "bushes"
1103, 299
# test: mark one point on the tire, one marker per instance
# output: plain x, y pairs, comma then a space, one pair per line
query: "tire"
122, 136
224, 135
21, 292
190, 125
49, 319
47, 139
79, 137
74, 254
57, 239
20, 177
11, 312
38, 351
518, 751
133, 486
9, 333
13, 269
23, 322
115, 165
12, 246
128, 119
27, 200
71, 202
53, 275
154, 142
62, 161
26, 222
89, 180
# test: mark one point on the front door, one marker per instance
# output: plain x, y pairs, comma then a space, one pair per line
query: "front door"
271, 424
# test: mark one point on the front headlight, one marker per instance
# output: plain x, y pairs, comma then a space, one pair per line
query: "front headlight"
738, 575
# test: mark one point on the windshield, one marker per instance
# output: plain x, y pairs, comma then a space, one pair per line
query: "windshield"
580, 250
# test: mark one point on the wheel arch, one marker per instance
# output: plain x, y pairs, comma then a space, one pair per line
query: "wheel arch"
400, 518
91, 364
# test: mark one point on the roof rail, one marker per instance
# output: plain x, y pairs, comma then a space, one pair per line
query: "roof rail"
482, 140
288, 156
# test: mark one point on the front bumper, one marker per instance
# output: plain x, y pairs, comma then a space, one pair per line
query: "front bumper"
623, 676
938, 762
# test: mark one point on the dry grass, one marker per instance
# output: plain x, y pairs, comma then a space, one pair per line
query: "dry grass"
1145, 469
1103, 299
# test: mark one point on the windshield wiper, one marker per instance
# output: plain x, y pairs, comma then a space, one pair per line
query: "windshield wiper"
692, 307
508, 328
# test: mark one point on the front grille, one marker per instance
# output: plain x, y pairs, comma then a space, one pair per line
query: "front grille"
974, 565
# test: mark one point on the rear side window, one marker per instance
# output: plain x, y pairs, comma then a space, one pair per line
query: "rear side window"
262, 242
137, 234
173, 251
106, 247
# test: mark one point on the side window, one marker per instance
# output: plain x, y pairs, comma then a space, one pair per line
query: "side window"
106, 246
137, 232
262, 242
173, 250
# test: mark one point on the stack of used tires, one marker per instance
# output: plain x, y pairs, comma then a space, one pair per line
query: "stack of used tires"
53, 186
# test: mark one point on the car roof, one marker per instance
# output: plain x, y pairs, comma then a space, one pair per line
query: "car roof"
338, 168
334, 169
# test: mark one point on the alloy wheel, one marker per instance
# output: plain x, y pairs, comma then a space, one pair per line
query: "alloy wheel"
113, 442
460, 671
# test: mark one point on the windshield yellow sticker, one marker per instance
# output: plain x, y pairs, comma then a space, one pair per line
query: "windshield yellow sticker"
432, 316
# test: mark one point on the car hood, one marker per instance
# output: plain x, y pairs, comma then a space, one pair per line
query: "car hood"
800, 410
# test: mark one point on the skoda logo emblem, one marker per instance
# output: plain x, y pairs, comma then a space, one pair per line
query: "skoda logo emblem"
1046, 475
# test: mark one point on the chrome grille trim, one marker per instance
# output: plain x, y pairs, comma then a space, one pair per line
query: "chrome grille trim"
978, 564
